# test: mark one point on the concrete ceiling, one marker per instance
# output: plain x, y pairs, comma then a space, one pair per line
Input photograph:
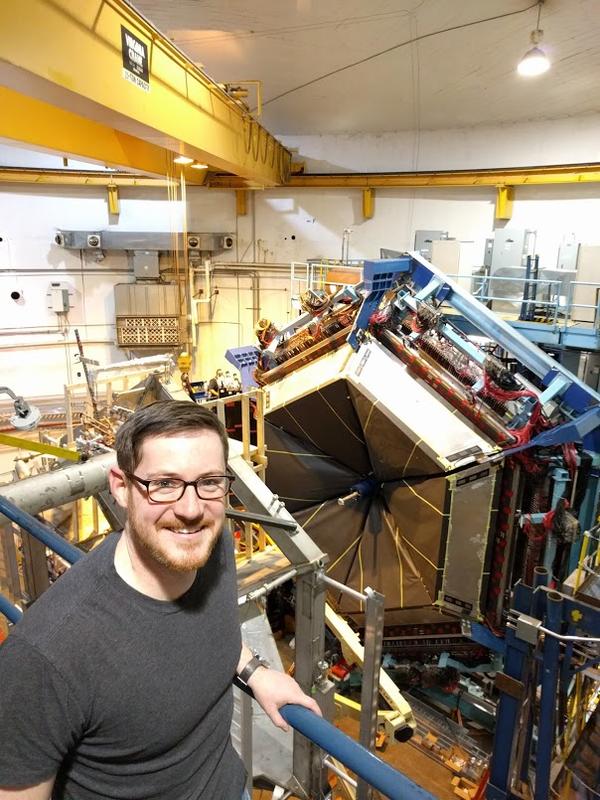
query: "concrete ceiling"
453, 79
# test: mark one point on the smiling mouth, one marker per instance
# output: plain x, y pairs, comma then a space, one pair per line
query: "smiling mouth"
187, 531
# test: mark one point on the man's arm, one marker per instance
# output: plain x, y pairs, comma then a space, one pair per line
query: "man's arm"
273, 689
41, 791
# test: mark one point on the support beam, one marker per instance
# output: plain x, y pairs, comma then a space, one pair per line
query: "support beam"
241, 202
72, 177
504, 202
516, 176
171, 104
114, 206
42, 126
368, 203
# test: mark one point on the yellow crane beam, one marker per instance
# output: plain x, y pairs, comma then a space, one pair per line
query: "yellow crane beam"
516, 176
103, 62
72, 177
43, 126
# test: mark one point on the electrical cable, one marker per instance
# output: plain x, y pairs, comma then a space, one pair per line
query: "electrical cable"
396, 47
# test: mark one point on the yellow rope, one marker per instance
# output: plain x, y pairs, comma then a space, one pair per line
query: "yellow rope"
366, 425
412, 452
358, 439
300, 426
313, 515
360, 567
339, 558
416, 549
300, 455
441, 513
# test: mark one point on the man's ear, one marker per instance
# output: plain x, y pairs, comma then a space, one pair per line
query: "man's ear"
118, 486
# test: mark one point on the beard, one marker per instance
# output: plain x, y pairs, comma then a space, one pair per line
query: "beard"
176, 556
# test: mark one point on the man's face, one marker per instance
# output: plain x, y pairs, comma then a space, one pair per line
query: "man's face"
219, 373
180, 535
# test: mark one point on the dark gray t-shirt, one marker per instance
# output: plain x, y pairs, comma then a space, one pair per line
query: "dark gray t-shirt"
122, 695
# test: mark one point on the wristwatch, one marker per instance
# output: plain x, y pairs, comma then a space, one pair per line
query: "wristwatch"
255, 662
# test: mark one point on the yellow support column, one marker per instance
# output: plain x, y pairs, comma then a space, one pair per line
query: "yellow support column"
114, 206
504, 201
241, 202
368, 203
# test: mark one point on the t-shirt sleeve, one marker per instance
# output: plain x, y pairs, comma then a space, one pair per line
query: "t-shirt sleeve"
40, 720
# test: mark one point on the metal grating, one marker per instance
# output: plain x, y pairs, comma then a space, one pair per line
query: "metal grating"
148, 331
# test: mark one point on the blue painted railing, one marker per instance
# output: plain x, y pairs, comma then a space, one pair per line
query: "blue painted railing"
40, 531
362, 762
11, 612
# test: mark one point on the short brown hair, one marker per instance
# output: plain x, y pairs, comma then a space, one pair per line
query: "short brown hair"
163, 418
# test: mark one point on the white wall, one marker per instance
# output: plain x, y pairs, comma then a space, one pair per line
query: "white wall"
280, 226
569, 140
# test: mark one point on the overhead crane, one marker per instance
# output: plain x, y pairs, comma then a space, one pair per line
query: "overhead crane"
97, 81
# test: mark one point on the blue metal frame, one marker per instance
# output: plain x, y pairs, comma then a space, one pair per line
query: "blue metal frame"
559, 613
380, 275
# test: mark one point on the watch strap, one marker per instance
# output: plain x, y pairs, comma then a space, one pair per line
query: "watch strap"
251, 667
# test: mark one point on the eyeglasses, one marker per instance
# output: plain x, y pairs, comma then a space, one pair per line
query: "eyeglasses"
170, 490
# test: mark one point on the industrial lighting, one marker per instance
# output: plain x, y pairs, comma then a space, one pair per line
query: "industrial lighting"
535, 61
26, 416
196, 165
183, 160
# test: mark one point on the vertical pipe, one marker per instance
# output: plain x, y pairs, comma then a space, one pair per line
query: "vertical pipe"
550, 667
541, 577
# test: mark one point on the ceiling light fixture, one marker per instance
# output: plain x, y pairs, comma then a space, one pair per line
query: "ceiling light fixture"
535, 61
197, 165
183, 160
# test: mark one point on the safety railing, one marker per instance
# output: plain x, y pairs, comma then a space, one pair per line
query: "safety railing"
368, 767
546, 300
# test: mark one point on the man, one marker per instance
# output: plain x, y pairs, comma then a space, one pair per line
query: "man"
117, 682
216, 386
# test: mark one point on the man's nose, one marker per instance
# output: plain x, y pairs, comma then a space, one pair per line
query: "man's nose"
189, 505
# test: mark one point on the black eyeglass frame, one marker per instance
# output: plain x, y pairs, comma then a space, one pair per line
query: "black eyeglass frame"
146, 484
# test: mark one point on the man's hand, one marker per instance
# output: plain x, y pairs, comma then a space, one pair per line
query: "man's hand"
273, 689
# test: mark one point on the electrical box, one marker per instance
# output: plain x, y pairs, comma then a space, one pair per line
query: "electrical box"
58, 298
511, 248
424, 240
568, 253
145, 265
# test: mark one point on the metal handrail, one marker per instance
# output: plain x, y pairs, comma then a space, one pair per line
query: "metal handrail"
368, 766
39, 531
565, 308
10, 611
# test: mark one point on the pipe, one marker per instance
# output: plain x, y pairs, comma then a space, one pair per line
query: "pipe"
60, 486
366, 765
39, 531
11, 612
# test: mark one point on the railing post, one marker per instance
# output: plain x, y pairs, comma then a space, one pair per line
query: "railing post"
369, 700
310, 643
